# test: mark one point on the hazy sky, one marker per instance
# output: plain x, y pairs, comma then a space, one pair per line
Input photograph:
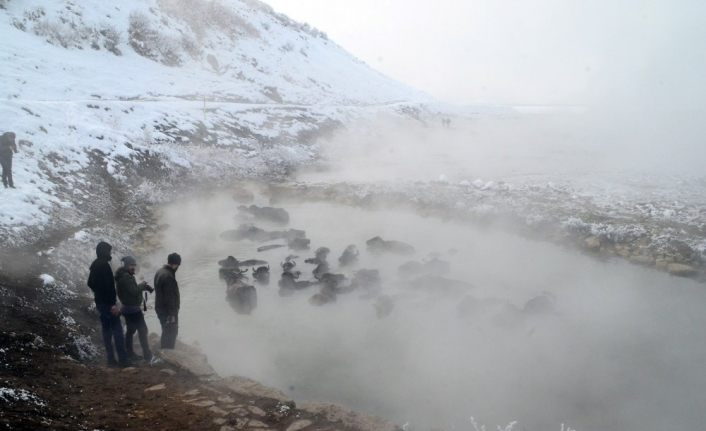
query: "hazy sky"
525, 51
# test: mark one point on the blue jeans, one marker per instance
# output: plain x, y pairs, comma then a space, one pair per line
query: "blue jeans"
112, 329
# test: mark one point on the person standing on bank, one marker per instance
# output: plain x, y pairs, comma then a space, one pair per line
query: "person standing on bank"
7, 148
101, 282
166, 302
130, 294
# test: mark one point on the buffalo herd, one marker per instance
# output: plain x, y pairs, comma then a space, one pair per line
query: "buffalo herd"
242, 276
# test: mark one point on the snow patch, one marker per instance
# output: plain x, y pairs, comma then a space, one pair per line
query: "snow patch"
48, 280
14, 396
81, 236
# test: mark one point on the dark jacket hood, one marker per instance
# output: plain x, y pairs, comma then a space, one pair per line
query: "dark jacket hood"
103, 250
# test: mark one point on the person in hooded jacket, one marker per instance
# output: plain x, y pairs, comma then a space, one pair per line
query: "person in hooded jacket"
102, 283
7, 148
131, 297
167, 301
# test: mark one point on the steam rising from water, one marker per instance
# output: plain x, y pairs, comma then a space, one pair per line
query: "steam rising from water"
570, 145
622, 352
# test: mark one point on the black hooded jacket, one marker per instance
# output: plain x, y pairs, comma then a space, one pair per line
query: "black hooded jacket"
7, 146
100, 279
166, 288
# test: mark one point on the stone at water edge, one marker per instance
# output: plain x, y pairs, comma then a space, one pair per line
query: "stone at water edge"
168, 372
592, 243
226, 399
217, 410
159, 387
257, 411
682, 270
662, 264
623, 252
299, 425
192, 393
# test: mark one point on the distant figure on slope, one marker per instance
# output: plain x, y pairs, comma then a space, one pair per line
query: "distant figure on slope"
101, 282
167, 301
130, 294
7, 149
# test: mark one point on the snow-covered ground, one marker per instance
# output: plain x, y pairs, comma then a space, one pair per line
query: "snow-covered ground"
164, 87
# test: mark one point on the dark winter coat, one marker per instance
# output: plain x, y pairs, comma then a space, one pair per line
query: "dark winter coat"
7, 147
100, 278
129, 292
166, 289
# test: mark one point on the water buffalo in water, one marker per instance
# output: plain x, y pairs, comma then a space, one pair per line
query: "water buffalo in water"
541, 304
230, 262
379, 245
367, 279
332, 281
320, 270
289, 281
231, 275
349, 256
320, 256
299, 243
230, 267
322, 298
242, 297
331, 286
275, 215
270, 247
254, 233
262, 274
319, 260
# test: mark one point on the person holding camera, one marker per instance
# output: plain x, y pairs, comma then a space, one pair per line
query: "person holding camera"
133, 301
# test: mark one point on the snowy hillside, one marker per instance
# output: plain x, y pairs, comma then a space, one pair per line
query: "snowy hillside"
107, 94
236, 50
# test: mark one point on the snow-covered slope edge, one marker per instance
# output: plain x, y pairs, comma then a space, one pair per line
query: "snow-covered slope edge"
111, 101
